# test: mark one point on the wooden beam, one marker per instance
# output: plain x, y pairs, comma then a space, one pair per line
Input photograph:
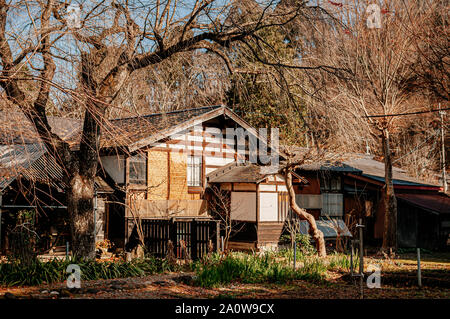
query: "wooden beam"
168, 175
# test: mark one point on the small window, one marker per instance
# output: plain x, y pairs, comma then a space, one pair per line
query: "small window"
194, 171
332, 204
137, 170
332, 197
330, 184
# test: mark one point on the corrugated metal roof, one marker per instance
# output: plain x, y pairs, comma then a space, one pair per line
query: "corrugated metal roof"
329, 228
438, 203
30, 161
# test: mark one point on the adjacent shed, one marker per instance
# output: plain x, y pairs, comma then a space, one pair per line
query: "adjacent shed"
259, 201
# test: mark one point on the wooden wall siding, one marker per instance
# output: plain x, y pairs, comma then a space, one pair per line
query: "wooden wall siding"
312, 188
168, 208
283, 206
269, 232
244, 187
158, 163
241, 246
178, 188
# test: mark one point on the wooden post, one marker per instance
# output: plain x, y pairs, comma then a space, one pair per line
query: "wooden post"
419, 273
194, 240
173, 236
351, 258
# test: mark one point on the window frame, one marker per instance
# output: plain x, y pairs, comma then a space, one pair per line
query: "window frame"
191, 167
140, 158
331, 184
326, 183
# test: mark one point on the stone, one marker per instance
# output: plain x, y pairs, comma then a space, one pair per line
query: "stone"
44, 292
54, 293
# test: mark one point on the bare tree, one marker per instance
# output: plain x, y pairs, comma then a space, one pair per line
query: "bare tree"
219, 205
363, 99
100, 49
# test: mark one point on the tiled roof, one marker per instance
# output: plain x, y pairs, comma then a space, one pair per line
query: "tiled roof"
365, 165
236, 172
16, 129
125, 131
375, 170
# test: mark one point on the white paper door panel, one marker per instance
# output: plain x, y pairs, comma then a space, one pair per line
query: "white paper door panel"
243, 206
268, 207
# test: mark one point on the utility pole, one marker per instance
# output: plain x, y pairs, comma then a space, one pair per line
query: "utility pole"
444, 175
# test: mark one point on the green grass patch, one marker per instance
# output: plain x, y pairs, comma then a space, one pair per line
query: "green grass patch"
341, 262
252, 268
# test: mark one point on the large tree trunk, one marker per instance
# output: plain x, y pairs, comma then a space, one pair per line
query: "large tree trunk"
315, 233
80, 205
390, 202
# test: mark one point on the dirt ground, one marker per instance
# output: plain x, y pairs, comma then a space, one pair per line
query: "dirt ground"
398, 280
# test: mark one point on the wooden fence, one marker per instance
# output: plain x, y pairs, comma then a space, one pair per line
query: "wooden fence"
190, 238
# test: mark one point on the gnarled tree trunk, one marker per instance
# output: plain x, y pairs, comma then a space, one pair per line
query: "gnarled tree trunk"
315, 233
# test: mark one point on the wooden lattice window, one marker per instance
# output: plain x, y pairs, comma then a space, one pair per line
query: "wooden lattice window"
194, 171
